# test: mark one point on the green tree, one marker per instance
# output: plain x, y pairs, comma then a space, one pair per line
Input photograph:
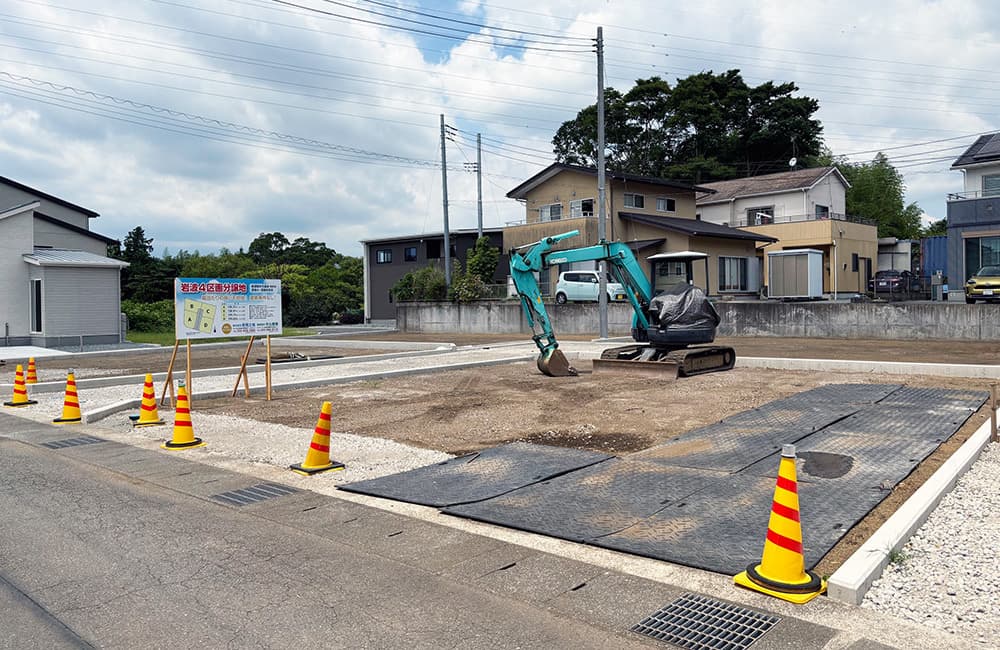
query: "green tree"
481, 260
268, 248
426, 283
223, 265
877, 193
939, 227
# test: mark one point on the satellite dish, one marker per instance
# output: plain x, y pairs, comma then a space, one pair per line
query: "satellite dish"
791, 163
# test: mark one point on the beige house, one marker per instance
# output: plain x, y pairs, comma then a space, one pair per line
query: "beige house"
803, 208
651, 215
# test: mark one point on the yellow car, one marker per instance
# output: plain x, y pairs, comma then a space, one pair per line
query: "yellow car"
983, 285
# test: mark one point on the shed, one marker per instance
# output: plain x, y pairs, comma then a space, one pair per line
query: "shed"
795, 274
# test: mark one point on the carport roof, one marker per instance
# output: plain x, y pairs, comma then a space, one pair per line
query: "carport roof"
63, 257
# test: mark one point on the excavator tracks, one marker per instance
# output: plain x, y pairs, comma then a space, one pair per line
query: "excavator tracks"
682, 362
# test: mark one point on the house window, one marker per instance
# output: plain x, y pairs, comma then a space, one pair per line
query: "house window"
383, 256
634, 200
991, 185
36, 306
410, 254
733, 273
760, 216
980, 252
665, 205
550, 212
822, 211
581, 208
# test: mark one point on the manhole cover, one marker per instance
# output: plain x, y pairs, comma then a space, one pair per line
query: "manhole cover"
702, 623
254, 494
72, 442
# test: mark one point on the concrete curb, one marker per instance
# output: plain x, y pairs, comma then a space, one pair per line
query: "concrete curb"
104, 411
887, 367
854, 578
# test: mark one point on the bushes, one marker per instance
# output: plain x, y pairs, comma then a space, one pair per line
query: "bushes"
149, 317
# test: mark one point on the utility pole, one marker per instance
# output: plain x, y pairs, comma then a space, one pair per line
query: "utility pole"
444, 203
602, 212
479, 183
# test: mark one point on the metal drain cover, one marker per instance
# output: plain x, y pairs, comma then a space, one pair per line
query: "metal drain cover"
701, 623
254, 494
72, 442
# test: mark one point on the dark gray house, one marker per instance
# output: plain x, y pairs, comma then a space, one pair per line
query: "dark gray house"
974, 214
57, 287
389, 259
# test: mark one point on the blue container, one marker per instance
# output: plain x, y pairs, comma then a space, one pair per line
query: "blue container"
933, 256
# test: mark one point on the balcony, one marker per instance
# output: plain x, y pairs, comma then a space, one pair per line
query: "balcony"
969, 196
766, 220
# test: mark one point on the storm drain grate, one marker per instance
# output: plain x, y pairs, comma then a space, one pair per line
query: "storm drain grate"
702, 623
72, 442
254, 494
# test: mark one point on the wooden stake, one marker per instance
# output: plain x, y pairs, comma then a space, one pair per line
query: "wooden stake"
993, 412
169, 383
267, 368
243, 372
187, 375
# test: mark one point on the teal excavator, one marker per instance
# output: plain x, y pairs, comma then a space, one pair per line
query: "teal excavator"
672, 322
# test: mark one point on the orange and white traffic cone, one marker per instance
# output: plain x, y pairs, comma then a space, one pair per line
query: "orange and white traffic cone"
318, 455
781, 572
20, 390
71, 403
32, 377
148, 415
183, 430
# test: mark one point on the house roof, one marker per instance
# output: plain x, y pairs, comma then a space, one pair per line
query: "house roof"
64, 257
798, 179
555, 169
18, 209
48, 197
639, 244
76, 229
694, 227
985, 149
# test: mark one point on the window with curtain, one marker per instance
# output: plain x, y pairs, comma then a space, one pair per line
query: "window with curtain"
733, 273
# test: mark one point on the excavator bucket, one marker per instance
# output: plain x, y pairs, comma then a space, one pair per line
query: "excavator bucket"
555, 364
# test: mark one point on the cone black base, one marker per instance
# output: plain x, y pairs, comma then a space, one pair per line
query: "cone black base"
309, 471
197, 442
815, 584
16, 405
67, 420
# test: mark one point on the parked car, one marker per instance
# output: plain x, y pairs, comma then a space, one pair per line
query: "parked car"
983, 285
894, 281
584, 286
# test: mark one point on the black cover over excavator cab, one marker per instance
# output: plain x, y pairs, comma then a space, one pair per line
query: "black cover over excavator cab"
682, 316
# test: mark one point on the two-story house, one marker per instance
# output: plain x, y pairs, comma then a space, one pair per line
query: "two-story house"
57, 287
651, 215
800, 209
974, 214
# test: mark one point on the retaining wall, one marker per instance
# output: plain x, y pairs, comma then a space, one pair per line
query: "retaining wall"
894, 320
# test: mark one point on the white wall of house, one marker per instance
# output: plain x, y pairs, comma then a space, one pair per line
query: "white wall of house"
792, 205
15, 240
974, 178
11, 196
51, 235
80, 300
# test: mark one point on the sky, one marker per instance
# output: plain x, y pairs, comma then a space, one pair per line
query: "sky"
208, 122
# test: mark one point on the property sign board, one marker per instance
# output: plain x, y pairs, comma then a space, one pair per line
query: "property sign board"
215, 307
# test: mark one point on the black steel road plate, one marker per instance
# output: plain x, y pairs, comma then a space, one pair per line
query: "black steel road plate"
913, 396
478, 476
858, 394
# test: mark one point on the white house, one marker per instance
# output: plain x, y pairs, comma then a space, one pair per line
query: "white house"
974, 213
57, 286
798, 195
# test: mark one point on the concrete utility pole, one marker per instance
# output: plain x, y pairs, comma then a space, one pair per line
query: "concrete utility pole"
444, 203
479, 183
602, 212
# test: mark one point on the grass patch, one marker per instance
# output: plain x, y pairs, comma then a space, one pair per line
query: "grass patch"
167, 338
898, 556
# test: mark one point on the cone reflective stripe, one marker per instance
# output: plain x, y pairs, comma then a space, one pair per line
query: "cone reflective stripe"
148, 415
318, 455
781, 572
71, 403
183, 430
32, 377
20, 397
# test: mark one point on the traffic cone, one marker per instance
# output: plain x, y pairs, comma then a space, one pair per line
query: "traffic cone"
781, 572
183, 431
32, 377
148, 415
71, 403
20, 390
318, 455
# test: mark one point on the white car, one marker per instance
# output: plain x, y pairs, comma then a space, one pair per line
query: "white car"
584, 286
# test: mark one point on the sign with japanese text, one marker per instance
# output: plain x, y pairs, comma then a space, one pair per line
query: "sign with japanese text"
210, 308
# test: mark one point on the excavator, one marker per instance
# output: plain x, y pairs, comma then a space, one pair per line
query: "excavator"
670, 314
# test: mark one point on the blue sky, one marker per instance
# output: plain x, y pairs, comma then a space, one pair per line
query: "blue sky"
209, 122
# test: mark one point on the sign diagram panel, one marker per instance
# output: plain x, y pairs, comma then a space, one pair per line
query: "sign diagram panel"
209, 308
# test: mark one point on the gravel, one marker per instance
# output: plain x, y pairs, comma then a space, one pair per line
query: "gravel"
945, 576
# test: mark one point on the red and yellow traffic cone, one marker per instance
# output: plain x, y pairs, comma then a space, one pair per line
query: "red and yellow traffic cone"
318, 455
148, 415
20, 390
781, 572
183, 431
71, 403
32, 377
